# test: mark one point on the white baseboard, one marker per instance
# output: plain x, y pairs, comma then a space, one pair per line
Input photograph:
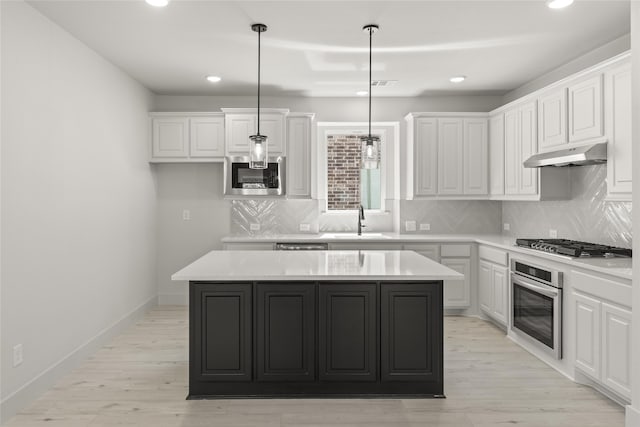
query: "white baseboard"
29, 392
632, 417
173, 299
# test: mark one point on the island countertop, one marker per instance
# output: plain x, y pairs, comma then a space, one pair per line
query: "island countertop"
314, 265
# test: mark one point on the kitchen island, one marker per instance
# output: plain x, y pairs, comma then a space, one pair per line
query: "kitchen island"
315, 323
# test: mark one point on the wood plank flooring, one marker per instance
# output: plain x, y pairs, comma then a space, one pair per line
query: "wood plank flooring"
140, 379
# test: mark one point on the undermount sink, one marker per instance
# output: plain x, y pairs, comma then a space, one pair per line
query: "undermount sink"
355, 236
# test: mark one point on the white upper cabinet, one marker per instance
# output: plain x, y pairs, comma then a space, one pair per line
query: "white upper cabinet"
298, 161
476, 156
528, 179
450, 156
170, 137
447, 155
552, 119
187, 137
206, 137
425, 166
585, 109
240, 123
618, 130
496, 155
238, 129
520, 144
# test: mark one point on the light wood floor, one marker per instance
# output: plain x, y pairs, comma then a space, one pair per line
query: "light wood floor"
140, 379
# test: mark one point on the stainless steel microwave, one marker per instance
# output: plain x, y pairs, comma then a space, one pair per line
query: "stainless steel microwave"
240, 180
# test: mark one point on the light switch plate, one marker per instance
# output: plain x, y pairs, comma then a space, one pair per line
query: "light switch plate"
553, 233
410, 226
425, 227
186, 215
305, 227
254, 227
506, 226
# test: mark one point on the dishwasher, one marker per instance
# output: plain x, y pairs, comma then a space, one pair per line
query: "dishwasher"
302, 246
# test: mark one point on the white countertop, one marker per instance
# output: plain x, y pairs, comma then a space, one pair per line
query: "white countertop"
619, 267
315, 265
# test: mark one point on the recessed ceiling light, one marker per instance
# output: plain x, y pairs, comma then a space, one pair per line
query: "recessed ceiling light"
457, 79
157, 3
558, 4
362, 93
214, 79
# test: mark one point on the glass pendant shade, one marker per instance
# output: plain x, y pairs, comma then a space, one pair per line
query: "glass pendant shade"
258, 152
370, 152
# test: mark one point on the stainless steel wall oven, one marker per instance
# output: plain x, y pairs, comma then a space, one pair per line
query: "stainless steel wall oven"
536, 306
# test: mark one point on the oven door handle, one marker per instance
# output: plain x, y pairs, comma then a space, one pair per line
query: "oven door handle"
543, 290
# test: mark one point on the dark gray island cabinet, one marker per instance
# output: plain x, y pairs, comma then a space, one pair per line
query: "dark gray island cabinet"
329, 335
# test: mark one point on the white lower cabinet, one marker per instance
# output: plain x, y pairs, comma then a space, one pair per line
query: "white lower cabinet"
603, 331
493, 284
457, 293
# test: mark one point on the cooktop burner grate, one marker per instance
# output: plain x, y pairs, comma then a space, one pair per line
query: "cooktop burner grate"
573, 248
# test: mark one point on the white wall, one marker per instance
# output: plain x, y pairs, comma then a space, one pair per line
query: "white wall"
633, 411
78, 202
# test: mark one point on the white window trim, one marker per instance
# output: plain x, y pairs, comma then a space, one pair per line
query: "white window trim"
389, 140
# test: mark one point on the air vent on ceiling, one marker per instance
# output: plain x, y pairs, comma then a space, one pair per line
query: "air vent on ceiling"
383, 83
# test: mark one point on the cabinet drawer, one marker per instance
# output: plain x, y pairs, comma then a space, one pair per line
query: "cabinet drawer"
493, 255
455, 251
611, 290
248, 246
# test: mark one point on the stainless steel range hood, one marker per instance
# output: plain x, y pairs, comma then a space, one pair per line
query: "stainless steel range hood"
592, 154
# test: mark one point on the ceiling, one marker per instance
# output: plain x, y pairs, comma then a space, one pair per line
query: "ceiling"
318, 48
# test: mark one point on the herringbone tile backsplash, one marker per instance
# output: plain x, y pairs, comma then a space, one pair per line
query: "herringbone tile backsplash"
587, 216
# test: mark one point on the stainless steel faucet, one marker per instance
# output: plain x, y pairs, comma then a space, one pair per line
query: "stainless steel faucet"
360, 219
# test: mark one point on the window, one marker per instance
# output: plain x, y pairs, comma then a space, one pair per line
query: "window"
348, 185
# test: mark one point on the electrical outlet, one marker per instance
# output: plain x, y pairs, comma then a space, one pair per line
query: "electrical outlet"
425, 227
17, 355
254, 227
305, 227
410, 226
506, 226
553, 233
186, 215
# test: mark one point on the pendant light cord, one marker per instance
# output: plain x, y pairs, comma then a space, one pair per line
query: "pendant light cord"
370, 48
259, 31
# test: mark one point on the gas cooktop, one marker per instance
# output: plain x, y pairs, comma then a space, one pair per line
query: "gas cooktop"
573, 248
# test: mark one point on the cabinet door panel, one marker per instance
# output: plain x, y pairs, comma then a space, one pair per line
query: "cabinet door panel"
552, 119
299, 157
207, 137
411, 331
511, 151
221, 330
618, 126
457, 293
587, 324
285, 322
426, 160
450, 156
485, 285
238, 128
272, 126
616, 348
500, 282
347, 332
170, 137
476, 156
585, 109
528, 177
496, 155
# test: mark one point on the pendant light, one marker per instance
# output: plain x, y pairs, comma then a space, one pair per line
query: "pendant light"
258, 143
370, 143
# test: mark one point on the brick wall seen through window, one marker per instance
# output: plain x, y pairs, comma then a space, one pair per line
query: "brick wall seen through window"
346, 179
